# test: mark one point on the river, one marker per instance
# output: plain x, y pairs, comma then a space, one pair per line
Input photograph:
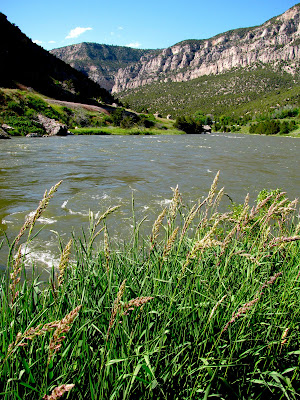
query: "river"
103, 171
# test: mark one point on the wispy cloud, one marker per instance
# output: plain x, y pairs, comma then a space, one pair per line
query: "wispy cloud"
37, 41
120, 28
52, 41
74, 33
135, 45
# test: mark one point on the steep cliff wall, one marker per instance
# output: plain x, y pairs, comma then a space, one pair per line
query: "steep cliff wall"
276, 42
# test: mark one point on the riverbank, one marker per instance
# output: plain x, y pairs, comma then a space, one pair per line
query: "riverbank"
206, 305
113, 130
245, 130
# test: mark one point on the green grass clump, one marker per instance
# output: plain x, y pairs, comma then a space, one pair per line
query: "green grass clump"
206, 307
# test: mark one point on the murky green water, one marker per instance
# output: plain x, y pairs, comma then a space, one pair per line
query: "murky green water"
103, 171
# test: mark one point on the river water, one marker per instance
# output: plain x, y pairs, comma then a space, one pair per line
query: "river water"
103, 171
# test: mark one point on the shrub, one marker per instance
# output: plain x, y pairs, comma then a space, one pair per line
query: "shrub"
188, 125
127, 122
23, 125
15, 107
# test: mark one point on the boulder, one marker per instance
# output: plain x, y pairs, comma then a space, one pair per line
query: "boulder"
33, 135
3, 134
7, 127
52, 127
206, 128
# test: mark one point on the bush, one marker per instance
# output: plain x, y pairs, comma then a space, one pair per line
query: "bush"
188, 125
15, 107
271, 127
265, 128
127, 122
146, 122
23, 125
117, 116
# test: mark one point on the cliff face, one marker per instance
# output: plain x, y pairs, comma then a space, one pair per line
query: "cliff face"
276, 42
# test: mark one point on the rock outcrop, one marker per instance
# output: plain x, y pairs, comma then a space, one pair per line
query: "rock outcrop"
34, 135
276, 42
52, 127
3, 134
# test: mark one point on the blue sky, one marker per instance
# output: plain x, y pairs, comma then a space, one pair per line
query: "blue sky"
149, 25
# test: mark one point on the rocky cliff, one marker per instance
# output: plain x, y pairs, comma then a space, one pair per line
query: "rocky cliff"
276, 42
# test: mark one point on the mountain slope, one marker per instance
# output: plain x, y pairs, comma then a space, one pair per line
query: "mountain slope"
24, 63
253, 90
99, 61
276, 42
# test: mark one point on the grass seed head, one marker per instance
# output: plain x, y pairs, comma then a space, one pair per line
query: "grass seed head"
63, 327
212, 190
31, 220
170, 243
284, 336
58, 392
215, 307
156, 226
116, 306
174, 203
241, 311
64, 260
109, 211
135, 303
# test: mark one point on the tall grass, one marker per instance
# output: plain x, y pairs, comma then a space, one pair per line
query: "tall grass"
206, 307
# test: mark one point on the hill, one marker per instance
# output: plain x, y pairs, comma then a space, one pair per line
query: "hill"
246, 70
25, 64
275, 43
100, 62
253, 90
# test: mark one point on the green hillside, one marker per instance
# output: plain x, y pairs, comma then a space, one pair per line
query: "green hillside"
107, 57
256, 90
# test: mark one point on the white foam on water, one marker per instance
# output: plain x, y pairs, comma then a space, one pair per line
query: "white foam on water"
37, 257
42, 220
64, 204
84, 214
164, 202
6, 222
48, 221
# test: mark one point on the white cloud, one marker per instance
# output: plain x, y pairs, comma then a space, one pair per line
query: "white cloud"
52, 41
135, 44
37, 41
120, 28
74, 33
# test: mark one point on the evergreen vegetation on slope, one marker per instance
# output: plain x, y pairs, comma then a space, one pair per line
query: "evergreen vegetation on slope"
252, 91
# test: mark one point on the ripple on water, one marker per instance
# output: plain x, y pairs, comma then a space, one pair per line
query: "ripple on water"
102, 172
